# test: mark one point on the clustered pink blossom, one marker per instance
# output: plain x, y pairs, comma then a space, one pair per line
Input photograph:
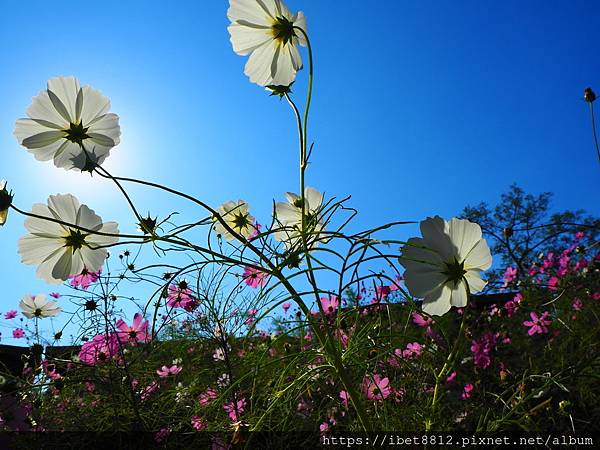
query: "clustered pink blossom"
198, 423
510, 275
467, 391
538, 324
181, 296
481, 349
512, 306
10, 314
207, 397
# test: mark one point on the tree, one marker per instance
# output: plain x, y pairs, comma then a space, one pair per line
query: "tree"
521, 227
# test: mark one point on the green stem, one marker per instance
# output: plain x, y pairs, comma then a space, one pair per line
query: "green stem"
447, 366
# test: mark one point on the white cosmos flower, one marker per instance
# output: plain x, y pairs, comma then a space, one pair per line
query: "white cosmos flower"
64, 120
289, 217
439, 267
61, 251
38, 306
265, 30
236, 215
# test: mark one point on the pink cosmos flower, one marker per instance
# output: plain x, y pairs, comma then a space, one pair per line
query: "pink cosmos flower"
198, 423
254, 277
10, 314
324, 427
577, 304
553, 283
285, 307
100, 349
376, 388
481, 350
596, 296
467, 391
166, 371
451, 378
538, 324
231, 411
257, 226
345, 398
18, 333
381, 292
421, 321
149, 390
55, 295
510, 275
330, 304
581, 264
162, 435
180, 296
533, 270
207, 397
413, 349
85, 278
137, 332
579, 236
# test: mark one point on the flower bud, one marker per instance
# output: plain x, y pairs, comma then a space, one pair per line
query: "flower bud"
507, 232
589, 95
5, 202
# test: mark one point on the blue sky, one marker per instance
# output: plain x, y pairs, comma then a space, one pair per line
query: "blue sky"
419, 108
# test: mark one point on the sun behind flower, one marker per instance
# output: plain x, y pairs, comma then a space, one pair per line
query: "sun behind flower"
61, 251
70, 124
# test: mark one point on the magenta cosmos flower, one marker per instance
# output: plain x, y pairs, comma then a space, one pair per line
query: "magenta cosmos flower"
136, 332
537, 324
166, 371
330, 304
100, 349
376, 388
85, 278
180, 296
254, 277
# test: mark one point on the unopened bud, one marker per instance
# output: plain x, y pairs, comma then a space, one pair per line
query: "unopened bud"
589, 95
507, 232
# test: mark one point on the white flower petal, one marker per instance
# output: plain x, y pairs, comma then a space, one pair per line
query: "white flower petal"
258, 66
253, 12
459, 294
94, 105
66, 89
464, 235
64, 207
422, 283
479, 257
437, 303
245, 39
476, 283
434, 231
42, 108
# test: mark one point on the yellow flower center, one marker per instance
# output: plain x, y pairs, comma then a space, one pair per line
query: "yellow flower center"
282, 30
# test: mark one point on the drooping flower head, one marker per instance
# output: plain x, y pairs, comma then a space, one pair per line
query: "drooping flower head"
447, 260
5, 202
38, 306
60, 251
288, 216
69, 124
237, 217
268, 32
